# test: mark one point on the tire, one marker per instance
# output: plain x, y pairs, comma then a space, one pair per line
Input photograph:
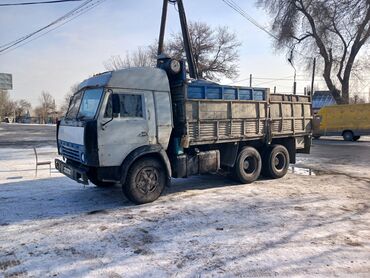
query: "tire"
356, 138
248, 165
145, 181
275, 162
101, 184
348, 136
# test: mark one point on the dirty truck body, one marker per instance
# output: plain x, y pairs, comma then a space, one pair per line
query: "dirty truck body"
350, 121
141, 126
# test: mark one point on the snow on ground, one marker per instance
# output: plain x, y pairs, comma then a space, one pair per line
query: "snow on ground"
20, 164
299, 225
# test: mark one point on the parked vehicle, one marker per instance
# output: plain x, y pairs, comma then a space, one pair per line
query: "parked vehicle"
350, 121
141, 126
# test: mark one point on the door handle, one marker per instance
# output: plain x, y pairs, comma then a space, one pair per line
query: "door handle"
143, 134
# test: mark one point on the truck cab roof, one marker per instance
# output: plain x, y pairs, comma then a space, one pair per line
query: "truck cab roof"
140, 78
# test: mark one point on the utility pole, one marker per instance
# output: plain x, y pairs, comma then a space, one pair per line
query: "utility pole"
290, 60
193, 72
250, 80
187, 41
313, 75
163, 27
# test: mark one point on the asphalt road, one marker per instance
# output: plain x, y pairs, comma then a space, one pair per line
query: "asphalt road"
28, 136
333, 149
332, 155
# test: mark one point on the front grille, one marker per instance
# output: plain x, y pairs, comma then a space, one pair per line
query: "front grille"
71, 151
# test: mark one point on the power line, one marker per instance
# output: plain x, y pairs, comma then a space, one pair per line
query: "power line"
244, 14
83, 8
37, 3
43, 34
21, 39
273, 79
239, 10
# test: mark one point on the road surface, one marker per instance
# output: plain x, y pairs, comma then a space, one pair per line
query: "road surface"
24, 135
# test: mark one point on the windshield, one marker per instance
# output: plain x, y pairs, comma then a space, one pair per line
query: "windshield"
90, 103
85, 104
74, 106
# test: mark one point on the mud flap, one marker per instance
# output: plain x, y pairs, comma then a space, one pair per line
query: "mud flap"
303, 144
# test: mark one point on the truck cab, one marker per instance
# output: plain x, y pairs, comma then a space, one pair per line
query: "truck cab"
112, 115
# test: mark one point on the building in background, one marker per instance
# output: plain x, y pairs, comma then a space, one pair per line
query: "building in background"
321, 99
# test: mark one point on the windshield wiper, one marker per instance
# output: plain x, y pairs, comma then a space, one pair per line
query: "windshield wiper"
80, 118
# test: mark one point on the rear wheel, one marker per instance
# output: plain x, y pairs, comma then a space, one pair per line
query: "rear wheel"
145, 181
275, 162
348, 136
248, 165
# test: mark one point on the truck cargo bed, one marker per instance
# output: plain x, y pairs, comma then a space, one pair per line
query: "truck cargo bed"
202, 117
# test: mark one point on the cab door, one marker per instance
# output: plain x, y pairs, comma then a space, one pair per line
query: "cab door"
127, 131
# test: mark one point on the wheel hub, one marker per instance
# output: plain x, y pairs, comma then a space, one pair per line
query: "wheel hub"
147, 180
249, 165
279, 161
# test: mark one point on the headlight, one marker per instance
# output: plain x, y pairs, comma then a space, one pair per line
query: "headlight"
82, 157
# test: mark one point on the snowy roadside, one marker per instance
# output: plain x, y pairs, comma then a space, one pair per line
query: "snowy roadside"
205, 226
20, 164
332, 155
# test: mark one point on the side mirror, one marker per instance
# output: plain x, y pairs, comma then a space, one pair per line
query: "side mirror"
116, 104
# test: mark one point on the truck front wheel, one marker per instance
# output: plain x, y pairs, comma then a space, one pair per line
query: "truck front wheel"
248, 165
145, 181
275, 162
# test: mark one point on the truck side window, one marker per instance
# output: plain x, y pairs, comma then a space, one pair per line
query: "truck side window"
131, 105
108, 109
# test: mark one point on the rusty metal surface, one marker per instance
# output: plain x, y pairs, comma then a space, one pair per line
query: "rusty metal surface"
221, 121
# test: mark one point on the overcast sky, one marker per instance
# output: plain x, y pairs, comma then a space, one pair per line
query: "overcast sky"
78, 49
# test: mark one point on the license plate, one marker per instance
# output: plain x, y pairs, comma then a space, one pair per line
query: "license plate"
67, 171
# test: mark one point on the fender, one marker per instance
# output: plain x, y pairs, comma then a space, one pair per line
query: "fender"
141, 151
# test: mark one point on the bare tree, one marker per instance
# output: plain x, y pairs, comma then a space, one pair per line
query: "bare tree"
139, 58
4, 98
46, 107
357, 99
215, 52
333, 30
6, 105
22, 107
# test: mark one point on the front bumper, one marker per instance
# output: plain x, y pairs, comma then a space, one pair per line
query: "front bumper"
77, 174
